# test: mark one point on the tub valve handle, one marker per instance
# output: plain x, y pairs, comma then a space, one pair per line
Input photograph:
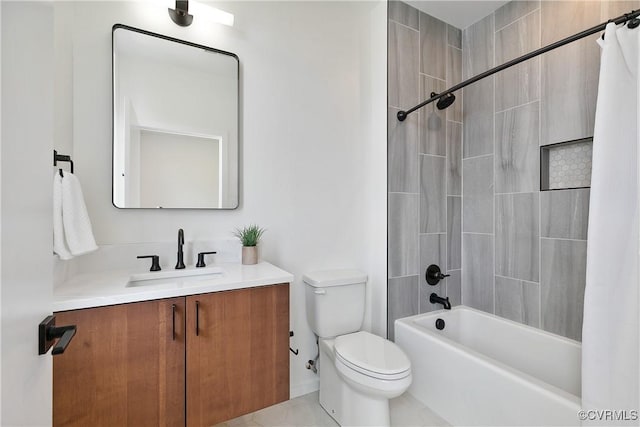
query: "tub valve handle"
434, 275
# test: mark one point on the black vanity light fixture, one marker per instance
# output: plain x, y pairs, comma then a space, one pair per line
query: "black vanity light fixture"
181, 16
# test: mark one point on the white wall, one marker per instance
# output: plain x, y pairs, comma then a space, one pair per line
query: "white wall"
373, 79
0, 215
27, 135
313, 139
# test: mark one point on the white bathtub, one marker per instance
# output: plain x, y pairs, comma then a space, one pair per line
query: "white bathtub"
485, 370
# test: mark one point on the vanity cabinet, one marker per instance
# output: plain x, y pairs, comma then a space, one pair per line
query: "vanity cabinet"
196, 360
123, 367
237, 353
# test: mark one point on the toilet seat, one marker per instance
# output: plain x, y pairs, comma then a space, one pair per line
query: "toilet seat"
372, 356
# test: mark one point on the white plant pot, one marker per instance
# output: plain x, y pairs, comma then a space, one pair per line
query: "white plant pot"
249, 255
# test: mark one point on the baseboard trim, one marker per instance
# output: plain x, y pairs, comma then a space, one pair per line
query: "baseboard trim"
304, 388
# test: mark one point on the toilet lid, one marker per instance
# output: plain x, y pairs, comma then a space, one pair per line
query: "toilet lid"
372, 353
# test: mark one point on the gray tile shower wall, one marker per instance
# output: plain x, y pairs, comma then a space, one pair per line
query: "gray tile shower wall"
524, 251
433, 248
433, 129
454, 76
402, 146
464, 184
433, 207
477, 47
403, 76
512, 11
518, 85
478, 271
477, 194
517, 236
478, 118
518, 300
454, 158
562, 286
424, 162
569, 105
402, 243
454, 232
454, 287
403, 300
517, 145
433, 46
404, 14
564, 214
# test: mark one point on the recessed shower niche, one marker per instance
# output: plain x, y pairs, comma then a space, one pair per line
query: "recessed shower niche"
566, 165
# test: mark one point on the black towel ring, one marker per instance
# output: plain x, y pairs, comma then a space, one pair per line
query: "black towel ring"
62, 158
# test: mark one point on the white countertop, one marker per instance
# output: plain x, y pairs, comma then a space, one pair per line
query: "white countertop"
109, 288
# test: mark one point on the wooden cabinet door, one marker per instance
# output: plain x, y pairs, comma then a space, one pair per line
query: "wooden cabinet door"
124, 367
238, 359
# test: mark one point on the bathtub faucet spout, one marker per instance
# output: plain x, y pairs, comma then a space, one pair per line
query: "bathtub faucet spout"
435, 299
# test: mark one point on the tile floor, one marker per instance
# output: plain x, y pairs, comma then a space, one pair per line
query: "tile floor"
306, 411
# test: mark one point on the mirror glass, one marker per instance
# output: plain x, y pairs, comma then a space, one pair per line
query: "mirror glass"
175, 123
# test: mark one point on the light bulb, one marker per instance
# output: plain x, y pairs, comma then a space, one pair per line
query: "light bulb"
212, 14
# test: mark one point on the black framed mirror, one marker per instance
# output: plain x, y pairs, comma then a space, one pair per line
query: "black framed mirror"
175, 123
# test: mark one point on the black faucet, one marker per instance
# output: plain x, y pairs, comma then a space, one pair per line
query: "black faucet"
180, 264
435, 299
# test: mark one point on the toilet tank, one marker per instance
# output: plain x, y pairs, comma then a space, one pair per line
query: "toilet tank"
335, 301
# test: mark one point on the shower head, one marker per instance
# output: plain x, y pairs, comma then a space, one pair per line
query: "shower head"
445, 101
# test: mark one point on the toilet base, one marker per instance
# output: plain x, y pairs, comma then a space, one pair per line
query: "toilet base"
344, 404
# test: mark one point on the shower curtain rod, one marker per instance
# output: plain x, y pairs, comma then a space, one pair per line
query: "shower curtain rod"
434, 97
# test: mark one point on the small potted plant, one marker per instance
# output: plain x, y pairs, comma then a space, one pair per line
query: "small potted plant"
250, 237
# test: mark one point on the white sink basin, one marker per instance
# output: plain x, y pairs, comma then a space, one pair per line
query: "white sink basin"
141, 279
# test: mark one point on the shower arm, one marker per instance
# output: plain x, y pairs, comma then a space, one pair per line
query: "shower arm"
402, 115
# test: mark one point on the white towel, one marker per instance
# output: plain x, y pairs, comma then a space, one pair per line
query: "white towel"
59, 244
72, 227
77, 226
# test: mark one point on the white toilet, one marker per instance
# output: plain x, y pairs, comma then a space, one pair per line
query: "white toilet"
359, 371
